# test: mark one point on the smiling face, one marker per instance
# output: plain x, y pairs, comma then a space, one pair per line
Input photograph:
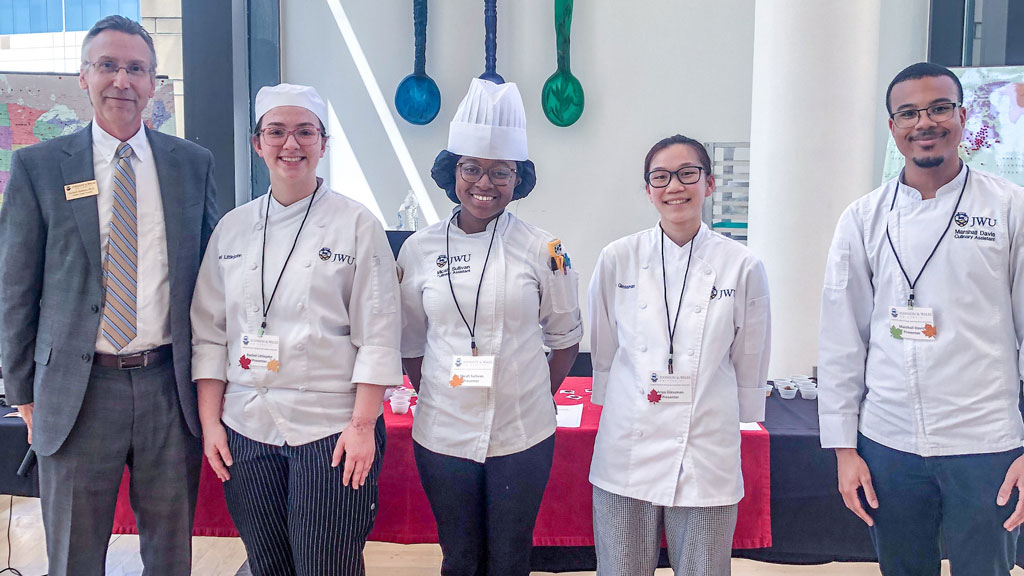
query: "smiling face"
927, 144
679, 204
118, 99
482, 201
290, 162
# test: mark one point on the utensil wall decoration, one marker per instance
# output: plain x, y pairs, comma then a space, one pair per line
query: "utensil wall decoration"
491, 42
562, 95
417, 98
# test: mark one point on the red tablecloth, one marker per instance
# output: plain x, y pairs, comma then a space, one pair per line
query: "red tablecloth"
565, 514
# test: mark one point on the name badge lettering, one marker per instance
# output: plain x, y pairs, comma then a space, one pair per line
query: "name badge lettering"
472, 372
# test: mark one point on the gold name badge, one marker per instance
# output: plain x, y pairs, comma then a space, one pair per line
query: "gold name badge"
81, 190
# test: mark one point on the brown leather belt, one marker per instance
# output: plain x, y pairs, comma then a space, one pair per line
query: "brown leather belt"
133, 361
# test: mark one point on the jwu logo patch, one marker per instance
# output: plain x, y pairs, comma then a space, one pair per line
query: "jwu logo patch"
717, 294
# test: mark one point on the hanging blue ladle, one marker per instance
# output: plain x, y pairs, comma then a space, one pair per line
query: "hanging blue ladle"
417, 98
491, 42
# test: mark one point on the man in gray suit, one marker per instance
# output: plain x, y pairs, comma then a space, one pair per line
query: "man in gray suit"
101, 236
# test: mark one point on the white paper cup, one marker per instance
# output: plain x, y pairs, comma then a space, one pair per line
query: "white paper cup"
809, 393
768, 390
788, 392
399, 406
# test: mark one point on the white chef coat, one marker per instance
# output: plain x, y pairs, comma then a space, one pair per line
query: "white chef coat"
335, 312
954, 395
153, 289
677, 454
524, 305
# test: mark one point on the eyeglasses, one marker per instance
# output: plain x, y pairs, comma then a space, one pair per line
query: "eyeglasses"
937, 112
110, 68
499, 175
685, 175
305, 136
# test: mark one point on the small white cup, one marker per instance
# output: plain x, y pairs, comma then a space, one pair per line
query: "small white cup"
809, 393
768, 390
399, 406
788, 392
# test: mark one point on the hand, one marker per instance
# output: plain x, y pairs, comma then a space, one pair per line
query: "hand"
357, 445
215, 446
854, 474
1014, 477
25, 411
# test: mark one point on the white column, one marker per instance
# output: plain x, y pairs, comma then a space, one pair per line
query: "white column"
812, 148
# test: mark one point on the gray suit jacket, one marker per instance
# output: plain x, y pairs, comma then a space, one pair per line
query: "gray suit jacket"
51, 288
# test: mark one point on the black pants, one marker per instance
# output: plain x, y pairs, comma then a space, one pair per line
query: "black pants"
485, 512
293, 513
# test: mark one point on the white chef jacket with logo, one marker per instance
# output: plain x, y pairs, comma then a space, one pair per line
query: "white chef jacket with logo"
954, 395
677, 454
335, 312
524, 305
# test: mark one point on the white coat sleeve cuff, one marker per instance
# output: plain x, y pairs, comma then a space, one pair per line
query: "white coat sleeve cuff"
838, 430
210, 361
751, 404
598, 387
377, 365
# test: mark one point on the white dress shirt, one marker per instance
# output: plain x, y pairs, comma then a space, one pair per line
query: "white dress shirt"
153, 289
524, 305
335, 312
954, 395
677, 454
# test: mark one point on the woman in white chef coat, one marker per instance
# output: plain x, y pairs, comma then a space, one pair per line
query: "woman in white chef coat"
482, 293
295, 336
680, 327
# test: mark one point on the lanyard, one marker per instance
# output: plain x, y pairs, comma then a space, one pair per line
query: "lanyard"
447, 260
664, 282
910, 299
263, 265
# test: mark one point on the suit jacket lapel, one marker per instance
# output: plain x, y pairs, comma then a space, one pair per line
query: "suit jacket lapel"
172, 195
78, 167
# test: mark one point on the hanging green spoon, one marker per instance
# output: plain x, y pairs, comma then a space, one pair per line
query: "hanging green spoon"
491, 42
417, 98
562, 95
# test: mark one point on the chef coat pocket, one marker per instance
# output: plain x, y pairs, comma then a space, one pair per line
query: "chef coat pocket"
837, 271
562, 290
385, 286
756, 325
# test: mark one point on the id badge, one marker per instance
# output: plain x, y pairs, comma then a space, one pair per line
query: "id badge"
672, 388
260, 352
912, 323
472, 372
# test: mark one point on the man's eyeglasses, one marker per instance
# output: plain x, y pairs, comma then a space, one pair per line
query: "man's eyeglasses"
499, 175
685, 175
305, 135
111, 68
937, 112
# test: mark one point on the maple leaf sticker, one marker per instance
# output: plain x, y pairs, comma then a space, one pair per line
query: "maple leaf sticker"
929, 331
456, 381
653, 397
274, 365
244, 362
896, 332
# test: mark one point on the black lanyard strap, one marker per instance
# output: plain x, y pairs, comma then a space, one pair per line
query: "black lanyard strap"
664, 283
263, 265
910, 298
448, 263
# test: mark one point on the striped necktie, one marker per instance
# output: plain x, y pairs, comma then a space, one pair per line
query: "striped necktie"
120, 267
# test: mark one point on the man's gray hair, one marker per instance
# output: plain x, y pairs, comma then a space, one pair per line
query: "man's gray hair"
119, 24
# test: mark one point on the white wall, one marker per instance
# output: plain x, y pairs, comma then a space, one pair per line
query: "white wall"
649, 69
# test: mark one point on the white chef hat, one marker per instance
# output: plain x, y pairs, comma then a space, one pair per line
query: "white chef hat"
490, 123
270, 97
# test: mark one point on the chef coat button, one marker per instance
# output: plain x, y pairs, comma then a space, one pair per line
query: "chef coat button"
255, 308
644, 265
638, 433
300, 305
307, 263
303, 388
263, 389
252, 266
679, 439
643, 348
259, 226
707, 271
643, 305
320, 225
300, 346
697, 309
86, 357
689, 352
94, 308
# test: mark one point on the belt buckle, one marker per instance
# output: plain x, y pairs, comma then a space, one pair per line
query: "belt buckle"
143, 355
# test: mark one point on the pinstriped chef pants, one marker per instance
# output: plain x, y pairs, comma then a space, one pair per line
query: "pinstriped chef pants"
627, 535
293, 513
